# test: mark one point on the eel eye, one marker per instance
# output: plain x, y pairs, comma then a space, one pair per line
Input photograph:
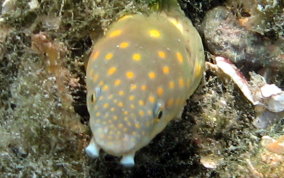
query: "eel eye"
93, 98
160, 114
158, 110
95, 95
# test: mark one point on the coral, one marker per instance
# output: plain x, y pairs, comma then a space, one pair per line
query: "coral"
224, 36
269, 160
31, 140
261, 16
222, 130
54, 53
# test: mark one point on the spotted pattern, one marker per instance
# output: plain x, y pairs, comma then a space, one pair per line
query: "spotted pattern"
162, 54
133, 87
166, 69
160, 91
154, 33
143, 87
130, 75
152, 99
109, 56
105, 87
152, 75
144, 65
111, 70
117, 82
123, 44
179, 57
95, 55
136, 57
181, 82
171, 85
115, 33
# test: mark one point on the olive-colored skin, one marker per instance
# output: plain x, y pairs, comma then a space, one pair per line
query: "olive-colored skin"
139, 76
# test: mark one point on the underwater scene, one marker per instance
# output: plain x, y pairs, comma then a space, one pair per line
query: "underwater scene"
142, 88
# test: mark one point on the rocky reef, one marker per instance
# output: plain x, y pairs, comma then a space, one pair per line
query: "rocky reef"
44, 46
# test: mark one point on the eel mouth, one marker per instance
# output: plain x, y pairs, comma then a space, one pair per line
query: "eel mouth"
117, 145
